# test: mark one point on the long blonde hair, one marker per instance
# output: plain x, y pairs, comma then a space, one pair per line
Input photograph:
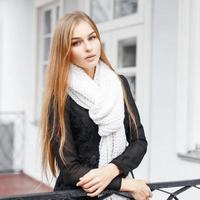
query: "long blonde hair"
56, 88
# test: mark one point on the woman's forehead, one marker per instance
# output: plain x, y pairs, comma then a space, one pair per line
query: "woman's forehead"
82, 29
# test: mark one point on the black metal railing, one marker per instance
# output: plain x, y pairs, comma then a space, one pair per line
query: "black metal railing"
12, 128
80, 194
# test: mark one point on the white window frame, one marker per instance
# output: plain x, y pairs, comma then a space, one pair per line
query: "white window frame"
136, 18
188, 95
111, 38
115, 36
41, 7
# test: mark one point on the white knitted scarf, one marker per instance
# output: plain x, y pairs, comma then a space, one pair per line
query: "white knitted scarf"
103, 97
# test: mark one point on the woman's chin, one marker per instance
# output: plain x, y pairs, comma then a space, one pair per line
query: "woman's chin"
91, 65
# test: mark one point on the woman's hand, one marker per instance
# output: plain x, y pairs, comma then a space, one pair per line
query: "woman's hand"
138, 188
96, 180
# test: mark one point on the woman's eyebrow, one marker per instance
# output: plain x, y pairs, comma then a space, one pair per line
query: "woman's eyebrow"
74, 38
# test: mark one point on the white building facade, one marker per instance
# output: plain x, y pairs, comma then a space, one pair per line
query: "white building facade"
154, 43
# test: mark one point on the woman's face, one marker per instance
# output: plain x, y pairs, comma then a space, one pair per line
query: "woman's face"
86, 48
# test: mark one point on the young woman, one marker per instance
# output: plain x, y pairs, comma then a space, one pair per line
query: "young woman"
91, 126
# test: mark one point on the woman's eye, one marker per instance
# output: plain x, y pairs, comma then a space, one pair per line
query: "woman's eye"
92, 37
77, 43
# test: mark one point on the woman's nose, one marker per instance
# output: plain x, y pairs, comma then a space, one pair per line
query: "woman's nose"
88, 46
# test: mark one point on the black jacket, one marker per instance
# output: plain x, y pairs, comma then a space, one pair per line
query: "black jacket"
82, 145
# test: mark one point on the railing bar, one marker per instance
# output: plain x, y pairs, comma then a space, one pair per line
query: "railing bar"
196, 187
108, 193
48, 195
183, 189
80, 193
174, 194
164, 191
172, 197
77, 193
193, 182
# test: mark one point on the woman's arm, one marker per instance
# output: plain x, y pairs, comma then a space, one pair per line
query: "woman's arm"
130, 158
135, 151
138, 188
73, 170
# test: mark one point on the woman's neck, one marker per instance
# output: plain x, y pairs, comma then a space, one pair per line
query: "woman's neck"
90, 72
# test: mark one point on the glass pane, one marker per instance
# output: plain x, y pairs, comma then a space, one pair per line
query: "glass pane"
47, 21
57, 13
127, 52
125, 7
100, 10
47, 43
132, 83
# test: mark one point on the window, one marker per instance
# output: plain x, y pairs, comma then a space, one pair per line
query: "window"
188, 82
103, 10
48, 16
126, 55
127, 60
100, 10
127, 52
124, 8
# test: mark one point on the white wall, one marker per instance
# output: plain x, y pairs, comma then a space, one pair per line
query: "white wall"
18, 73
164, 163
163, 86
17, 59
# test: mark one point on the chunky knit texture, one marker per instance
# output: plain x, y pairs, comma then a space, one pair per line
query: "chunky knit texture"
103, 97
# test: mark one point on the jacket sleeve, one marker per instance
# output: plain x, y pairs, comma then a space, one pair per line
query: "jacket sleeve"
135, 151
72, 170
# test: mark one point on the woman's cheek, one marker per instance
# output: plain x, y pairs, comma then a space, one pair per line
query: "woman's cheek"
74, 56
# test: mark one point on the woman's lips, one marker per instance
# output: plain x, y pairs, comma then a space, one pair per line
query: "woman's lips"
90, 58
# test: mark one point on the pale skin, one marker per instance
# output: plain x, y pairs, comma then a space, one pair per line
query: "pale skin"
85, 53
